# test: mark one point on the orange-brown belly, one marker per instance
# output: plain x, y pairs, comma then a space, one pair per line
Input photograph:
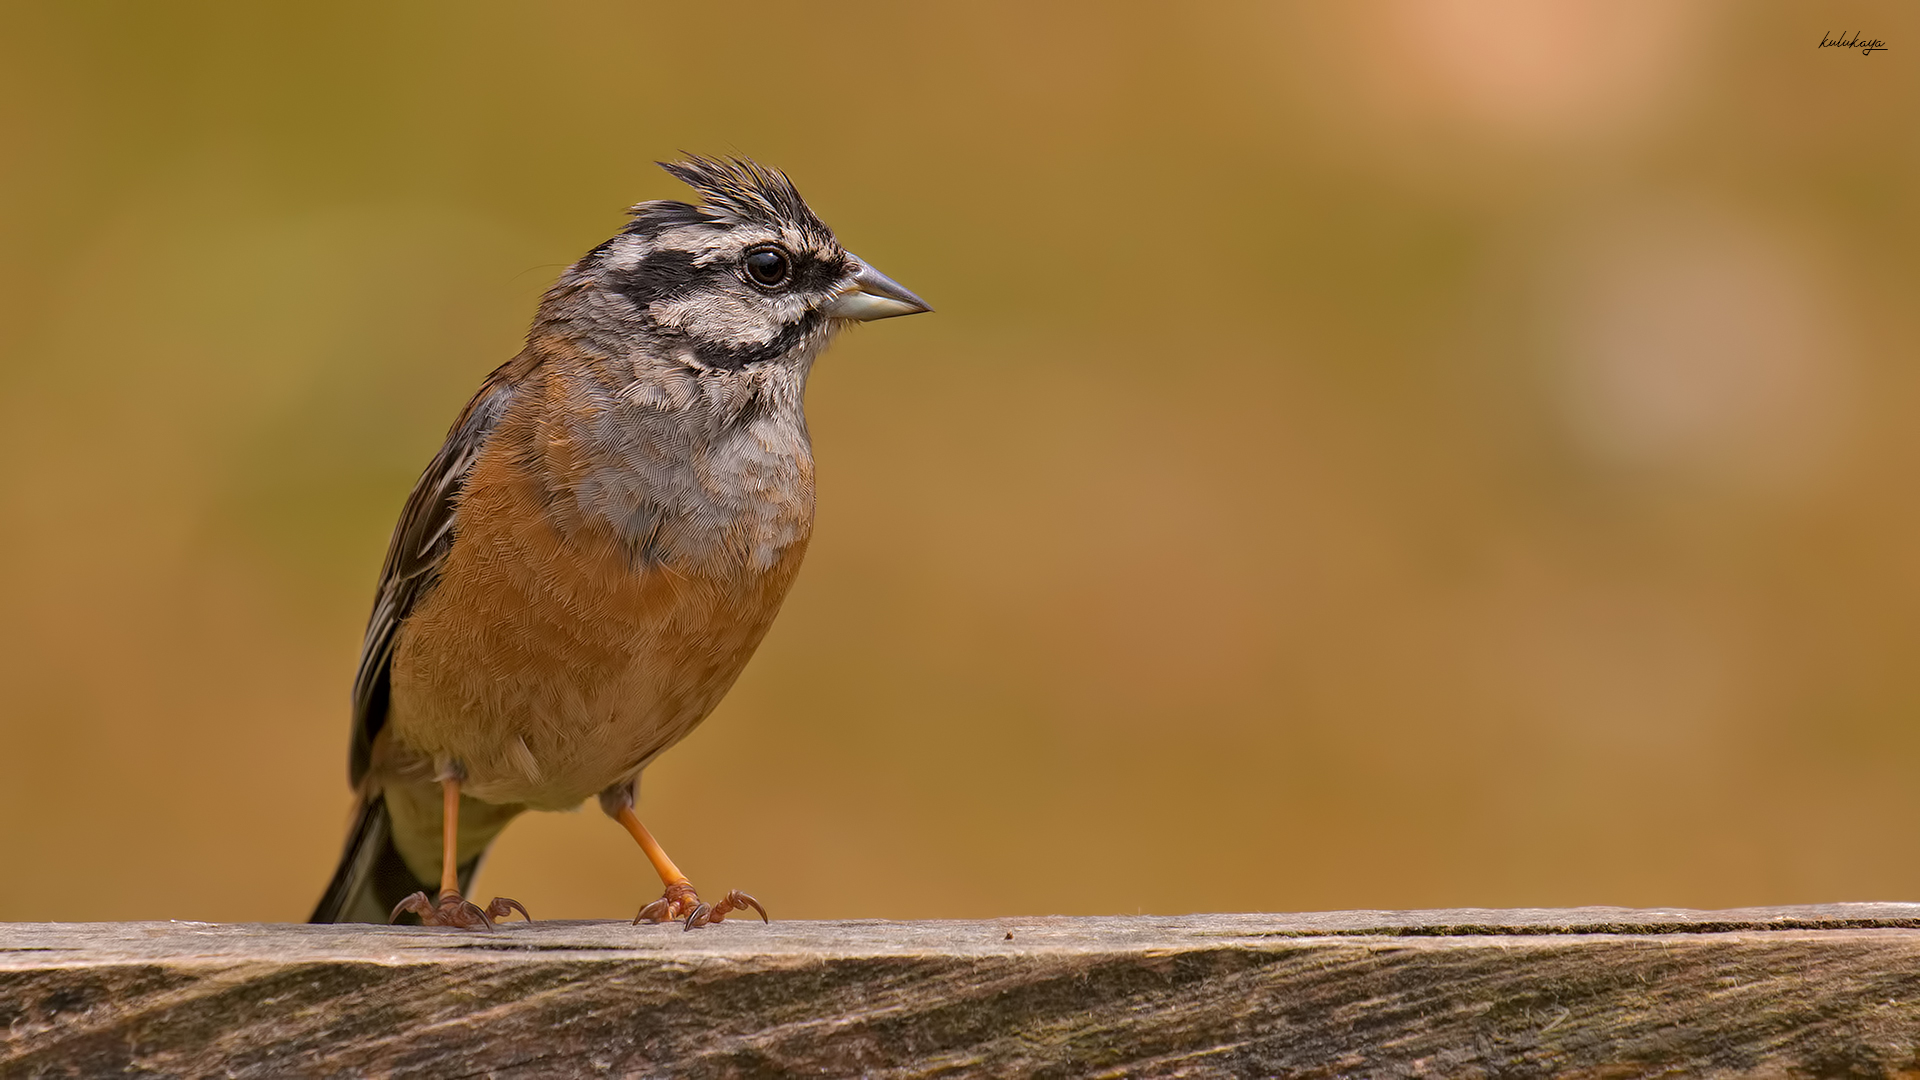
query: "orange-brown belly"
545, 667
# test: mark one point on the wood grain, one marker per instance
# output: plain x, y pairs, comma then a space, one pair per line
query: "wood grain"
1596, 992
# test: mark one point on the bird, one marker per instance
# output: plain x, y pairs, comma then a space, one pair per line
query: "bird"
590, 560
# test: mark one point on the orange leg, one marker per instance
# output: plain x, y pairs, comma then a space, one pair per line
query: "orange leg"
449, 837
452, 909
679, 901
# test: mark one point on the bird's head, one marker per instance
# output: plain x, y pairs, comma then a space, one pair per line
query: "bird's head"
747, 278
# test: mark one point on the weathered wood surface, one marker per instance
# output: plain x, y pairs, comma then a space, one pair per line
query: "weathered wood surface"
1599, 992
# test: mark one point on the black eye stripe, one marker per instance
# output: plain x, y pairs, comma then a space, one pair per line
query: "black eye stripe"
667, 274
814, 273
661, 275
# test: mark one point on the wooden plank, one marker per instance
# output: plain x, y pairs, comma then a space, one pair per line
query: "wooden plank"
1602, 992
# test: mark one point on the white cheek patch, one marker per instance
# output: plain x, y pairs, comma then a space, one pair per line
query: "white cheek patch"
720, 317
788, 308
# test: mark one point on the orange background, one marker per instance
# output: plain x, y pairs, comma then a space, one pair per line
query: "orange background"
1377, 455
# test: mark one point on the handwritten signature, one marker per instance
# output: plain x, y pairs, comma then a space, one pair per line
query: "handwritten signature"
1867, 47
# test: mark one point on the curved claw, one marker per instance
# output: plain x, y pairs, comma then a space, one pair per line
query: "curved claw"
418, 904
738, 899
680, 903
463, 914
678, 897
451, 909
503, 906
708, 914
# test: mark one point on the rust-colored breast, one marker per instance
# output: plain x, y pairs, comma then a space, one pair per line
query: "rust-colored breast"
564, 644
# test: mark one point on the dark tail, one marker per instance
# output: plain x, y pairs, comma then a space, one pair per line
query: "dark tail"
372, 877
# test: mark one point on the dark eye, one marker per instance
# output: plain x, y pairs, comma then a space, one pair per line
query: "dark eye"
768, 266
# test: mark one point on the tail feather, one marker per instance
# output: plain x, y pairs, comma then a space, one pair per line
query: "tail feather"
372, 877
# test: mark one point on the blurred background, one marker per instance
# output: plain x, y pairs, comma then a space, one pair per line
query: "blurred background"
1380, 455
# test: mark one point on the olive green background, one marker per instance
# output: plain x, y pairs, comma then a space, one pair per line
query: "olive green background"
1364, 456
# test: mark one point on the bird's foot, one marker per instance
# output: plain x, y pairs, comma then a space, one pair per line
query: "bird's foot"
681, 904
452, 909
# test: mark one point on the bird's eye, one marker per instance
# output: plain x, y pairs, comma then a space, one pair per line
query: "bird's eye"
768, 266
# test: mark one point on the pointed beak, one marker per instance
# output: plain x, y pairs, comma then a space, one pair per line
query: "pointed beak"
873, 295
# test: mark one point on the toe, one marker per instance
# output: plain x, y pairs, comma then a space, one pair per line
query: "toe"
465, 915
675, 903
739, 901
418, 904
503, 906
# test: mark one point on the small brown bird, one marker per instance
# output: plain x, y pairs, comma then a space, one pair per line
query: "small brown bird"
590, 560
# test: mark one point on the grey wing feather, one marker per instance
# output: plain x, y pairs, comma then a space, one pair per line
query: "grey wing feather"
419, 547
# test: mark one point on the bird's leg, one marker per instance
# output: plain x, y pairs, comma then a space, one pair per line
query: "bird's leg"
452, 909
679, 901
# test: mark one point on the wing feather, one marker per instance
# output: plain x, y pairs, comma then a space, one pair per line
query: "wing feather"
417, 551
